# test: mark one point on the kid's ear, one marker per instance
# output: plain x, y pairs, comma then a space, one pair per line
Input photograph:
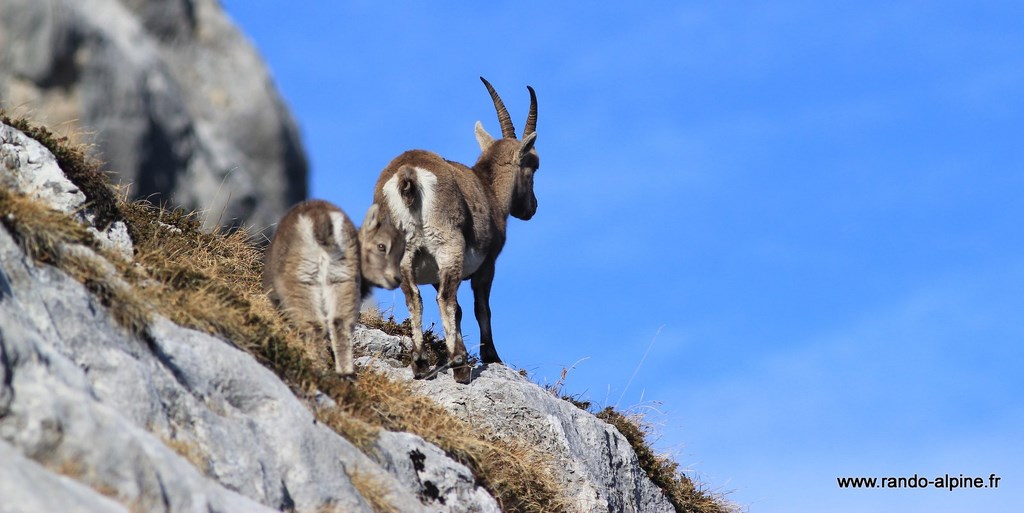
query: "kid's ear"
372, 220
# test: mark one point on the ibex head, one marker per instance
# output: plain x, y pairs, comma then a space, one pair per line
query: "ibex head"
511, 158
381, 248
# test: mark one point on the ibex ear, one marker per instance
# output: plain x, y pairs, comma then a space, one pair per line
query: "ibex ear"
483, 138
527, 143
372, 220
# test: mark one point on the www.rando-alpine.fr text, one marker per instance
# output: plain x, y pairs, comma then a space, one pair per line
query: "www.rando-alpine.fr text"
944, 482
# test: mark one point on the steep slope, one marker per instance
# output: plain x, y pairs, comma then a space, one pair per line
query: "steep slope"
131, 382
598, 466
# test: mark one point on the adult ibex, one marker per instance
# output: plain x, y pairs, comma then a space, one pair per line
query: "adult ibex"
454, 219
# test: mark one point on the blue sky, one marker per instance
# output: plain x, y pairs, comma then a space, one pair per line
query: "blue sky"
805, 215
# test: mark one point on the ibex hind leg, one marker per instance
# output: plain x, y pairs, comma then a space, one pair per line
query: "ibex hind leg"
443, 357
302, 314
318, 344
341, 348
451, 317
343, 326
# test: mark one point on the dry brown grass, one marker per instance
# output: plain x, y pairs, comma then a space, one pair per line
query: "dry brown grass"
681, 491
190, 451
54, 238
373, 491
212, 283
361, 433
85, 172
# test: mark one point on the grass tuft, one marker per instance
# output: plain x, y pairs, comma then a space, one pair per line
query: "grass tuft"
83, 171
663, 471
434, 343
373, 491
680, 490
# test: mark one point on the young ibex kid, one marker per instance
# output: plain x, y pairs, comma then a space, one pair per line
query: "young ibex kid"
316, 273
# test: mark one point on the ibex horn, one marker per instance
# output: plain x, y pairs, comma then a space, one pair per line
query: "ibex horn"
531, 119
507, 130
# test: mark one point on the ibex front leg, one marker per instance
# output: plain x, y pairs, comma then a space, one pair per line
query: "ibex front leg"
482, 308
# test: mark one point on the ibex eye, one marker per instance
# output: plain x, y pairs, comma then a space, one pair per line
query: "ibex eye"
381, 247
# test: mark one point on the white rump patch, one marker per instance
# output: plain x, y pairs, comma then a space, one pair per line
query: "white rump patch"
402, 217
315, 264
338, 230
339, 270
409, 221
309, 251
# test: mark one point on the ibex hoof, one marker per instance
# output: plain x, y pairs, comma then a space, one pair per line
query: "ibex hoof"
489, 355
462, 374
462, 371
420, 368
349, 377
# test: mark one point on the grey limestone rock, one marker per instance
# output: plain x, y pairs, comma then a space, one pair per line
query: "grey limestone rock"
176, 100
444, 485
379, 345
176, 421
28, 486
602, 472
56, 419
28, 168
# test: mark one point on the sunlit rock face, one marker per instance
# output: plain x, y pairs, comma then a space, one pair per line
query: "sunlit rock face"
172, 96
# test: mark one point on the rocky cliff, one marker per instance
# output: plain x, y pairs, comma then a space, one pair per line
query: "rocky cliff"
170, 94
138, 373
